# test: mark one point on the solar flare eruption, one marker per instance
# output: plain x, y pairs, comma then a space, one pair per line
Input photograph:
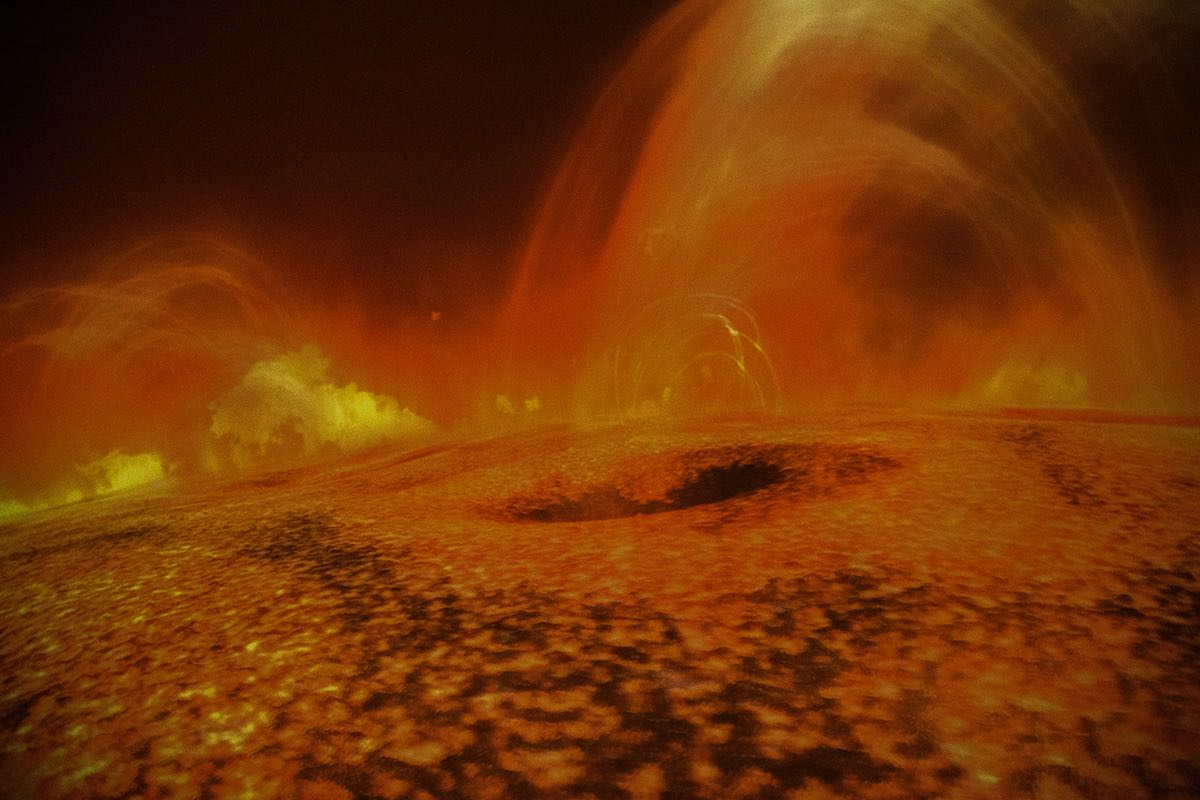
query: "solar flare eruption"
831, 430
915, 201
188, 350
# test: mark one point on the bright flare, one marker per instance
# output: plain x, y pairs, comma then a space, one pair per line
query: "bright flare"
908, 196
289, 406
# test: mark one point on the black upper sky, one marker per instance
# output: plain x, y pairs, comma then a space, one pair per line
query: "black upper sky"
366, 144
399, 149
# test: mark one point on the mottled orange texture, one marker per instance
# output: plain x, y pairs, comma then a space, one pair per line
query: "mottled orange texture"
897, 606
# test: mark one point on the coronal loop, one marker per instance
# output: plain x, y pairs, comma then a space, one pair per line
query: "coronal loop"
700, 352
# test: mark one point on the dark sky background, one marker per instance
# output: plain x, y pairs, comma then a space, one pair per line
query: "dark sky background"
398, 150
351, 146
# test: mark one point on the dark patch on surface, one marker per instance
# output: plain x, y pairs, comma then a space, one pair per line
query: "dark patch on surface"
1119, 606
355, 780
832, 766
717, 484
268, 480
1074, 483
635, 678
707, 477
379, 700
950, 774
121, 536
709, 485
861, 663
652, 726
17, 711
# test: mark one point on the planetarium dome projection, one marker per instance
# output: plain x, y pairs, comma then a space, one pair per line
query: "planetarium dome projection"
826, 427
809, 201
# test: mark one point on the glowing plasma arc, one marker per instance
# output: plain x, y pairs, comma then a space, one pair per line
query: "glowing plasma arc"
690, 353
184, 359
917, 201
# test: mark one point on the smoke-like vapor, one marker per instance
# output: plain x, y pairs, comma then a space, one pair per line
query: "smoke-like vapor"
185, 352
774, 203
288, 407
936, 201
113, 472
131, 358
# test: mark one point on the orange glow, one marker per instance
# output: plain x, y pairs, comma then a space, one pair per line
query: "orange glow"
772, 205
909, 199
188, 350
828, 428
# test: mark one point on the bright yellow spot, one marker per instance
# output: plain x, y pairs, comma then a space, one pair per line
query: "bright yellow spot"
90, 768
1020, 383
112, 472
10, 509
422, 754
289, 406
1037, 704
208, 692
117, 471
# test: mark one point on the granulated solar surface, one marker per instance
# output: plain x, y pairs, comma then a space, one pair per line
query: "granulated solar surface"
839, 606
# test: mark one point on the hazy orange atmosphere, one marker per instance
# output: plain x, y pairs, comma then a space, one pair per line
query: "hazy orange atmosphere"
778, 207
690, 253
